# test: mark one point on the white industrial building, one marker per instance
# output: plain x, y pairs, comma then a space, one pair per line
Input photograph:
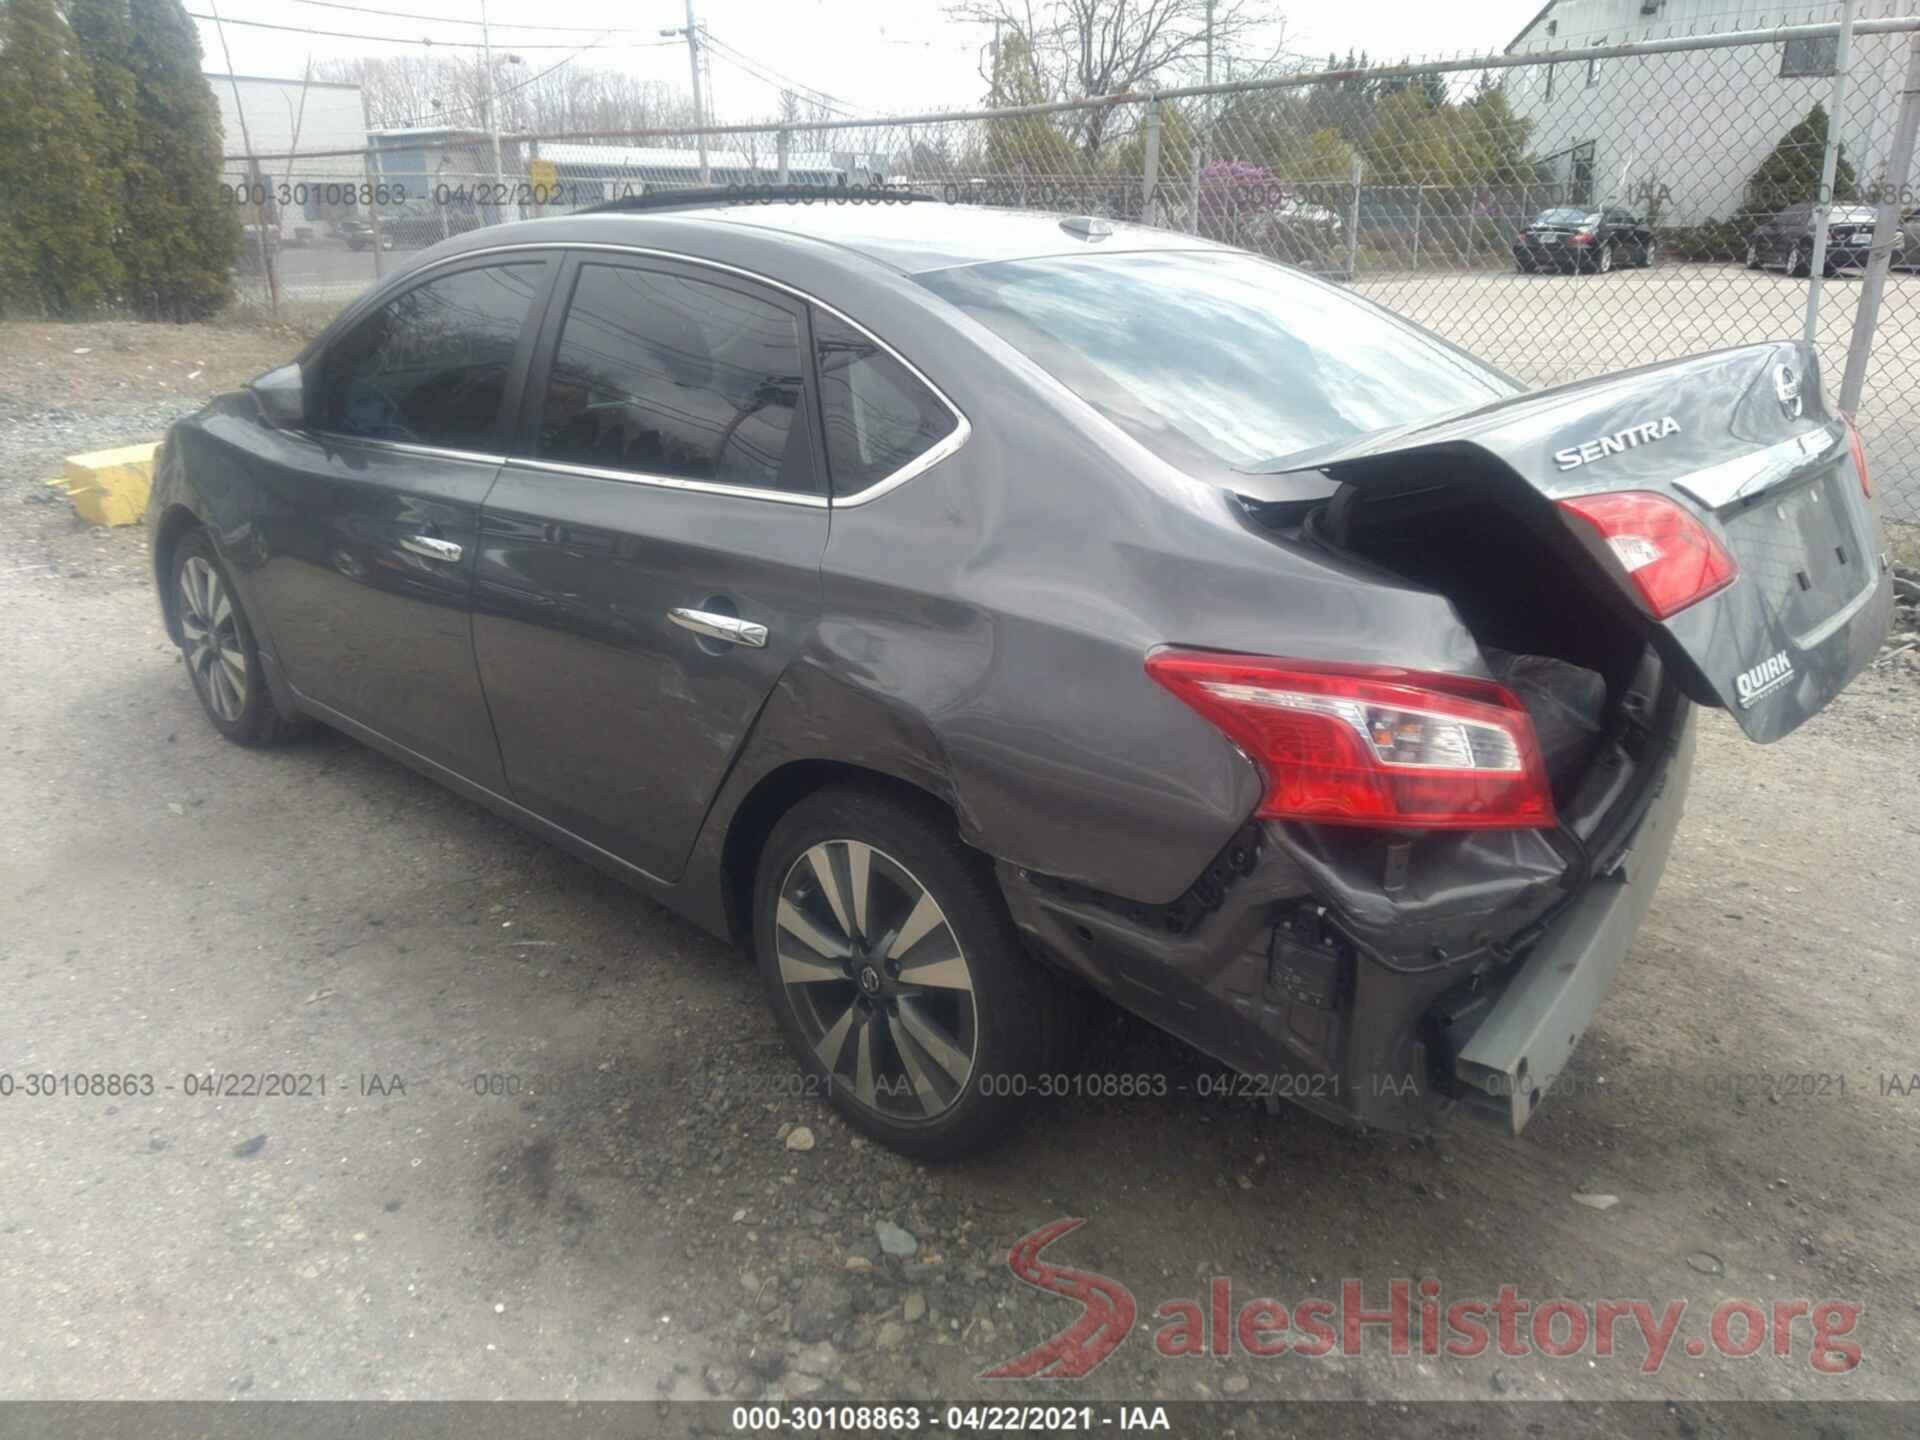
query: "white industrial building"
1679, 134
287, 115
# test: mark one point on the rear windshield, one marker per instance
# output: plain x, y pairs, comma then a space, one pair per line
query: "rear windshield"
1565, 217
1217, 360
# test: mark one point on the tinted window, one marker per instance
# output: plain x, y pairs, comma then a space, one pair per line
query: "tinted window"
878, 416
431, 366
667, 376
1218, 360
1814, 56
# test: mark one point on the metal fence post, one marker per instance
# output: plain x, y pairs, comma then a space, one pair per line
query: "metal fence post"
784, 145
257, 178
1150, 162
1823, 202
1193, 189
1899, 163
368, 171
1419, 203
1353, 219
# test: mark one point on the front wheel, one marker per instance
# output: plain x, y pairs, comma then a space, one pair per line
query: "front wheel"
219, 647
896, 974
1753, 256
1796, 263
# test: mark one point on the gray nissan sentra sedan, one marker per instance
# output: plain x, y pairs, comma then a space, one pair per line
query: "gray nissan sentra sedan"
973, 610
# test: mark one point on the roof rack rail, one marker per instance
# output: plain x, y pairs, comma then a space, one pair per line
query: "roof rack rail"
797, 193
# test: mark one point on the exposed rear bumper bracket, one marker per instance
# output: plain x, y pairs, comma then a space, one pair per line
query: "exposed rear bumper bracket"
1512, 1059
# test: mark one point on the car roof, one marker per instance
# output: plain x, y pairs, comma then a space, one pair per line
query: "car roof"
912, 237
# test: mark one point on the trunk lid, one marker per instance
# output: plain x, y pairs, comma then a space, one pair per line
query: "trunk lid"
1743, 440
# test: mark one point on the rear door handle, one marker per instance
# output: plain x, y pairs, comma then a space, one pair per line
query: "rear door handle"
730, 628
432, 549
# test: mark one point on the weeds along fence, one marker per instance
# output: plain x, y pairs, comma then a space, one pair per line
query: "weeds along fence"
1659, 159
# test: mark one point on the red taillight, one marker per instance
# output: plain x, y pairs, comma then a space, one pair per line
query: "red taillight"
1370, 744
1583, 238
1671, 558
1859, 460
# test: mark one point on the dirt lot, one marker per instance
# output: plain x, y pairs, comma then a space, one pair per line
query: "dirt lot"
630, 1220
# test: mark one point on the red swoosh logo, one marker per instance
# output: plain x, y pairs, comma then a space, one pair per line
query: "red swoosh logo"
1106, 1317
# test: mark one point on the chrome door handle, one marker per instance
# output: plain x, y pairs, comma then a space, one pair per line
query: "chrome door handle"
431, 548
730, 628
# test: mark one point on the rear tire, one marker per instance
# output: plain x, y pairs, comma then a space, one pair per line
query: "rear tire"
1753, 256
217, 643
896, 973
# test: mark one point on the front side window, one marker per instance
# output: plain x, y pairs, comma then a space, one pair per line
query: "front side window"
664, 376
1218, 360
431, 366
879, 418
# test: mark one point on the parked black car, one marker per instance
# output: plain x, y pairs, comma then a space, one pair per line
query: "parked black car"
1574, 238
972, 609
1787, 240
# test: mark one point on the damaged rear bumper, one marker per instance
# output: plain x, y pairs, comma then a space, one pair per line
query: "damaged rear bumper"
1510, 1058
1466, 980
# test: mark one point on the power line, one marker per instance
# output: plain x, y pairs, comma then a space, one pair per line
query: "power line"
426, 40
766, 74
456, 20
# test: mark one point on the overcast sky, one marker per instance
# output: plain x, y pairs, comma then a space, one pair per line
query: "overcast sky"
872, 56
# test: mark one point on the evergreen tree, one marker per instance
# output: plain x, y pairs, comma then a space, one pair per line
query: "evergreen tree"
1790, 175
56, 210
104, 35
1024, 145
181, 235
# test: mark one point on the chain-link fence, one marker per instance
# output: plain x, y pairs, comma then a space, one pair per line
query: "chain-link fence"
1579, 204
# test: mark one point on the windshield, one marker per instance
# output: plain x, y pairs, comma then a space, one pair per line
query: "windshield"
1565, 217
1218, 360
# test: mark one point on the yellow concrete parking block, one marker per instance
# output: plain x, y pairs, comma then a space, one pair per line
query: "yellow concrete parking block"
109, 487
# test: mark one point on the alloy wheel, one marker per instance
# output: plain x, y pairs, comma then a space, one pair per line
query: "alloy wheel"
210, 625
1606, 258
877, 979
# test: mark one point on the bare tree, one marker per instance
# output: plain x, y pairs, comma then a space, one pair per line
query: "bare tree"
1076, 49
432, 91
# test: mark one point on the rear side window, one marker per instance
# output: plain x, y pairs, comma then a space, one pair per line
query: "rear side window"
879, 418
662, 376
431, 367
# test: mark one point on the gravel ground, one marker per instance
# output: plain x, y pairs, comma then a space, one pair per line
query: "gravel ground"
648, 1210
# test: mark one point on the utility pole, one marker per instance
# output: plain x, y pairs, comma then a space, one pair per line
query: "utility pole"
1836, 101
493, 98
1203, 142
692, 32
